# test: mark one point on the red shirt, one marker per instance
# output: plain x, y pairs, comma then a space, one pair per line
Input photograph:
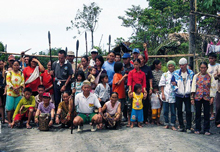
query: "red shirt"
120, 89
27, 73
47, 80
135, 77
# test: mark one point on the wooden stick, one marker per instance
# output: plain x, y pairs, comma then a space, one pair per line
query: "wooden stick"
205, 14
150, 56
207, 35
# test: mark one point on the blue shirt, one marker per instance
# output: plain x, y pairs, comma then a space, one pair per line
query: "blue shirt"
109, 67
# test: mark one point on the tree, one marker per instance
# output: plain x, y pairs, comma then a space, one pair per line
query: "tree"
87, 19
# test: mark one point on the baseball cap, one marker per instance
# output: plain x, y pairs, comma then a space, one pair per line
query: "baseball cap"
182, 61
46, 94
136, 50
126, 55
94, 51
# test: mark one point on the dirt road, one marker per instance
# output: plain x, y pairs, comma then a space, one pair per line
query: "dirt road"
149, 138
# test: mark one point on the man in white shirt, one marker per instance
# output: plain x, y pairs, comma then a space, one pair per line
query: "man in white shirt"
212, 66
86, 103
94, 53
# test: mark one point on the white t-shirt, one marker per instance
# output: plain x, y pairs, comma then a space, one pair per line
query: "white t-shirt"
86, 105
92, 62
155, 101
184, 76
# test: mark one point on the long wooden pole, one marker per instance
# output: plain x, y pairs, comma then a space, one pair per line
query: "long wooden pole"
150, 56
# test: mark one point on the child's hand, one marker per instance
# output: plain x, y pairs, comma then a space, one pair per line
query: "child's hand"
36, 120
57, 120
73, 91
22, 107
145, 95
50, 123
100, 99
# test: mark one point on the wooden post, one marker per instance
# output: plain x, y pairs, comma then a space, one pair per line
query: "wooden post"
192, 28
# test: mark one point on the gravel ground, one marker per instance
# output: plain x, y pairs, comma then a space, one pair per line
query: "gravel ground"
149, 138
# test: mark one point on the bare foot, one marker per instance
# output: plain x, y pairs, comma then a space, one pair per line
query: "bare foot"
146, 123
132, 126
128, 125
173, 128
140, 126
166, 127
218, 126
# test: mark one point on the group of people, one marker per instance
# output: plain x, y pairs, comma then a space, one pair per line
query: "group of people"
105, 93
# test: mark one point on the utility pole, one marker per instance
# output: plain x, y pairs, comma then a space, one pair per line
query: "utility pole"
192, 31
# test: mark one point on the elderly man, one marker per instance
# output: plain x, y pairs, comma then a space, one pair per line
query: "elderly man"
94, 53
70, 58
62, 71
86, 103
182, 82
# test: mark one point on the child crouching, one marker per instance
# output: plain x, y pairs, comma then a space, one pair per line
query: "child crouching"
46, 107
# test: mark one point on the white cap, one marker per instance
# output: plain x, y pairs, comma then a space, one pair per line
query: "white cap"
94, 51
182, 61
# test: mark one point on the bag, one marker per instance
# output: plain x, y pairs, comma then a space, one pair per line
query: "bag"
44, 122
34, 75
97, 78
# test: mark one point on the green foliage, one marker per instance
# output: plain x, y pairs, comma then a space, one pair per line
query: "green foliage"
1, 47
87, 19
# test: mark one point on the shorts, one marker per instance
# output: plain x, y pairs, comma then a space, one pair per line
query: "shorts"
87, 118
12, 102
22, 116
156, 113
137, 115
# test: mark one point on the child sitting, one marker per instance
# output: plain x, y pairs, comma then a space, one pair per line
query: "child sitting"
24, 109
112, 116
91, 78
137, 105
102, 90
155, 106
46, 107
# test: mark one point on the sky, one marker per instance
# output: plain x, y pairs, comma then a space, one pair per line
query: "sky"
25, 24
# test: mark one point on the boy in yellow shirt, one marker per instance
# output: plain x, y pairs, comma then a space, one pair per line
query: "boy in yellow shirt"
24, 109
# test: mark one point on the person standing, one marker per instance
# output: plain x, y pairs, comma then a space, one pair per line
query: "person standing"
182, 82
2, 87
109, 67
15, 84
127, 68
211, 69
32, 74
94, 53
203, 93
62, 71
149, 87
168, 96
156, 71
70, 57
217, 97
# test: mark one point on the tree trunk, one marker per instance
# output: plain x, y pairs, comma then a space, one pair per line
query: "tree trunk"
92, 39
192, 28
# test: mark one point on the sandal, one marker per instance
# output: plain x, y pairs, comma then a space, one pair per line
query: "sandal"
28, 126
207, 133
197, 132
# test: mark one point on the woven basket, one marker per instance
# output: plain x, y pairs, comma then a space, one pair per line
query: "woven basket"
44, 122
